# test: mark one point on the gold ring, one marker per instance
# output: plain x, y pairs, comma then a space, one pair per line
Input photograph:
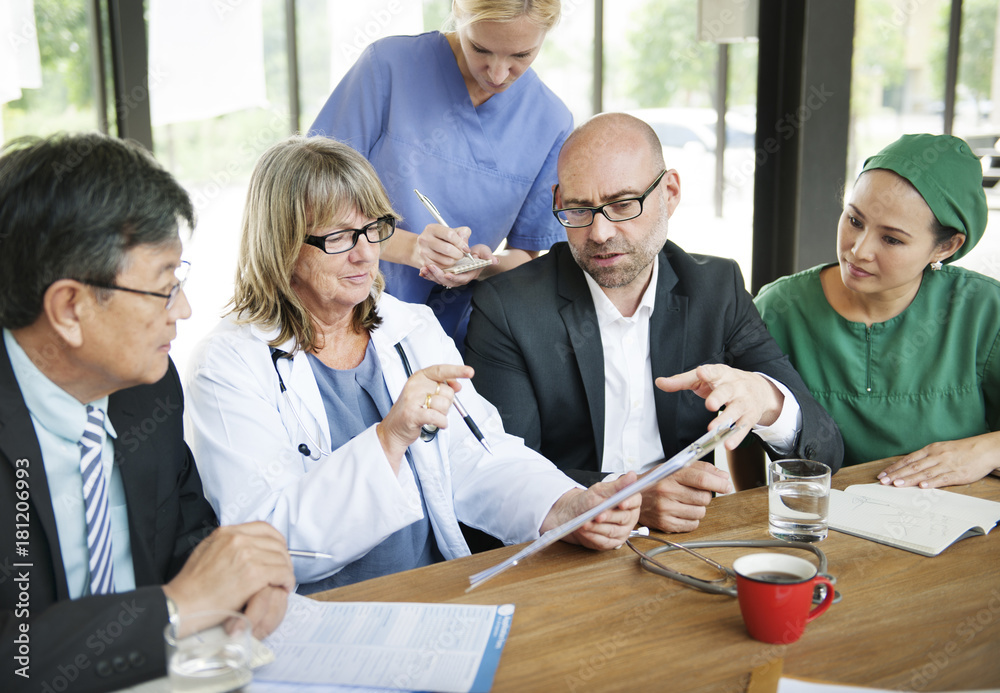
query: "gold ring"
438, 389
427, 402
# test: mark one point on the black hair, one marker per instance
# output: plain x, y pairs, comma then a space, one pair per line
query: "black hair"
72, 207
942, 233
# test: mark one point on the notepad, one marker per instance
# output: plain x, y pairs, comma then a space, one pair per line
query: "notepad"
924, 521
467, 264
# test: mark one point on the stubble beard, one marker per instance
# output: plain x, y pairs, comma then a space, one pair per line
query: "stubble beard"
640, 255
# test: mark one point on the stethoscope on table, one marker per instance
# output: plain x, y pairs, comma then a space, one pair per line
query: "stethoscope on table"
725, 583
427, 432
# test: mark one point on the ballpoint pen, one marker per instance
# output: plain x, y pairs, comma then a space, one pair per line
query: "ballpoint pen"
431, 431
471, 424
299, 553
470, 262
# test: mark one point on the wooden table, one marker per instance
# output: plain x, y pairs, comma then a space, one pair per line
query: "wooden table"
589, 621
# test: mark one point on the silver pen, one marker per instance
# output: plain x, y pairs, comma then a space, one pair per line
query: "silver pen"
458, 404
431, 208
439, 219
299, 553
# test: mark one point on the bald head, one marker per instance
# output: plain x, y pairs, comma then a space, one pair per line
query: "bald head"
615, 131
617, 197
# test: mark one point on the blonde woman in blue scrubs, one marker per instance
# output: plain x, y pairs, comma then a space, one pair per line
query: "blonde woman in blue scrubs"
463, 118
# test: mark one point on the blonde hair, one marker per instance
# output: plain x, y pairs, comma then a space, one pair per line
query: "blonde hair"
299, 185
544, 13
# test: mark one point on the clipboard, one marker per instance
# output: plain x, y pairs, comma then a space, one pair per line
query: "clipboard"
691, 453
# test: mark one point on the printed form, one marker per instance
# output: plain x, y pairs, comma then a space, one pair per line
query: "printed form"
453, 648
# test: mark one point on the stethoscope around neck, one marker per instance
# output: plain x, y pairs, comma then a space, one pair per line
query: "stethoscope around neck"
303, 449
427, 433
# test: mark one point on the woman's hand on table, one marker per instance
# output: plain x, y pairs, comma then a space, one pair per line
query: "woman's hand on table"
947, 463
609, 529
425, 400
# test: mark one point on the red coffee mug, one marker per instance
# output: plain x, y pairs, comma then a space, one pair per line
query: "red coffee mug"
775, 593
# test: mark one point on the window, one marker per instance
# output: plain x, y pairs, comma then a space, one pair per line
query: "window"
898, 87
657, 69
47, 82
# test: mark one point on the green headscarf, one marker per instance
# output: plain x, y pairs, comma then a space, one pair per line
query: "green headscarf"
947, 175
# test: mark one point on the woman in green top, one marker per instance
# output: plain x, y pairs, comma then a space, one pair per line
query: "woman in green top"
902, 349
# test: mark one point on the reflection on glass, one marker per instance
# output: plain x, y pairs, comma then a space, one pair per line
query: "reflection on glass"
65, 100
897, 84
658, 70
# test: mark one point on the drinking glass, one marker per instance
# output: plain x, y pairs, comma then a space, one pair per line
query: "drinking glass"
209, 652
798, 499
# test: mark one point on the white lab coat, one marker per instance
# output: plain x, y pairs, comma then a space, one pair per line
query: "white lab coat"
246, 442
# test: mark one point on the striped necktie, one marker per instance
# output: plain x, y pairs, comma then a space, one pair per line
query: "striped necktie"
95, 497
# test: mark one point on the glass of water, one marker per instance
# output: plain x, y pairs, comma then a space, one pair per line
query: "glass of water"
209, 652
798, 493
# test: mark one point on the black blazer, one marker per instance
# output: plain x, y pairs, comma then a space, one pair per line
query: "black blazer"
105, 642
536, 346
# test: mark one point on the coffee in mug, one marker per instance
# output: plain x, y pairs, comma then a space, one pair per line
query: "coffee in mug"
775, 593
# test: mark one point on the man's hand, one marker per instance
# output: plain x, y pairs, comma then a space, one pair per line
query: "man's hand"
609, 529
266, 609
678, 502
948, 463
235, 567
749, 399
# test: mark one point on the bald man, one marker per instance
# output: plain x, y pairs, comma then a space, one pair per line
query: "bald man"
617, 349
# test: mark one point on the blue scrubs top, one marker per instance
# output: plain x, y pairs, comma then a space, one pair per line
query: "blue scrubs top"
355, 399
404, 105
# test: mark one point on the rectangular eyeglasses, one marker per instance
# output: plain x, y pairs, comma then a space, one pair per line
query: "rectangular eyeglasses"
181, 274
617, 210
341, 241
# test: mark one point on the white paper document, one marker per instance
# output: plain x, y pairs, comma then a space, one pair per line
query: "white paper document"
453, 648
925, 521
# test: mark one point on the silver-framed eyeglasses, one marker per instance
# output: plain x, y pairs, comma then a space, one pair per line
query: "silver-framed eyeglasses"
618, 210
341, 241
181, 274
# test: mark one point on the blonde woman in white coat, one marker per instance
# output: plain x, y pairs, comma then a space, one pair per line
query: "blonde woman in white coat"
305, 412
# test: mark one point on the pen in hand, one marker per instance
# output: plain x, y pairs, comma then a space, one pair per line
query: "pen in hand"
475, 263
458, 406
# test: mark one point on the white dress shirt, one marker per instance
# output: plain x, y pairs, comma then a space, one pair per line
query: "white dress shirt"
631, 432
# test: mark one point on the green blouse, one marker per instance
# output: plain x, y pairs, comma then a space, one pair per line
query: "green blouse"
931, 373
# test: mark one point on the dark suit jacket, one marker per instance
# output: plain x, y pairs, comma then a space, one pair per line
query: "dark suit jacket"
105, 642
536, 346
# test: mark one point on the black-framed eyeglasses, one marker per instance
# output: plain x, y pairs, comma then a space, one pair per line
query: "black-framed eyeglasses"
619, 210
181, 273
342, 241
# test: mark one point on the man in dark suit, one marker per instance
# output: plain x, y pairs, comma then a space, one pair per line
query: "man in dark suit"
569, 346
103, 519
